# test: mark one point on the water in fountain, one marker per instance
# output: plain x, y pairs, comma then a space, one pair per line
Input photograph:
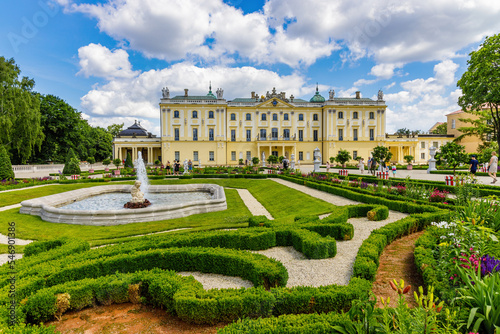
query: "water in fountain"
142, 174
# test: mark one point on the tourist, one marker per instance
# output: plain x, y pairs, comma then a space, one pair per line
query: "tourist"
492, 171
373, 166
190, 166
169, 172
327, 167
361, 165
177, 166
394, 169
473, 165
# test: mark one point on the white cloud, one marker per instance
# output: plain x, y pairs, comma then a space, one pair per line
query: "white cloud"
139, 97
149, 124
384, 71
97, 60
361, 82
424, 102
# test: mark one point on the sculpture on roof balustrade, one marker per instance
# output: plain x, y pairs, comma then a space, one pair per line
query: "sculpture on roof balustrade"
165, 93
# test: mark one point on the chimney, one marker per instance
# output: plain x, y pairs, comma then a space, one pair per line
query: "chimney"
358, 94
185, 92
253, 95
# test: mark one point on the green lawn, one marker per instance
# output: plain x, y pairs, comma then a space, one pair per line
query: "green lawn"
281, 201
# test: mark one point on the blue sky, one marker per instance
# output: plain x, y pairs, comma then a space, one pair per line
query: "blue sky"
110, 58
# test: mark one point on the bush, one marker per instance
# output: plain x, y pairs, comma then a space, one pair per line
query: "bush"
71, 164
6, 171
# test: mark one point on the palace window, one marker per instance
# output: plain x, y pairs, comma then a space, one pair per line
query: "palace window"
177, 155
249, 156
233, 155
435, 144
341, 134
301, 135
422, 156
355, 115
372, 134
315, 135
263, 117
422, 144
301, 155
315, 117
176, 134
285, 117
340, 115
211, 134
233, 117
263, 134
233, 135
249, 135
195, 155
274, 133
354, 154
275, 117
301, 117
176, 114
248, 117
211, 156
195, 134
286, 134
355, 134
372, 115
195, 114
210, 114
453, 123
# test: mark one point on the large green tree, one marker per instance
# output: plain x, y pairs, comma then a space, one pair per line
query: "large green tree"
114, 129
453, 154
19, 112
381, 154
441, 129
480, 86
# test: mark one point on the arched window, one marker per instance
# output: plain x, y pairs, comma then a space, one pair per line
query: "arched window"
233, 117
176, 114
301, 117
263, 117
372, 115
285, 117
341, 114
275, 117
195, 114
355, 115
286, 134
315, 117
248, 117
210, 114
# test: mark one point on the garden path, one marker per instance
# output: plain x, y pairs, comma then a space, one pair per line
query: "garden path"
253, 205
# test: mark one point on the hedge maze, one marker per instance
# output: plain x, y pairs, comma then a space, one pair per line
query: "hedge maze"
61, 275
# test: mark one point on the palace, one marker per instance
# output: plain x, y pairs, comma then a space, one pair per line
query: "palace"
210, 130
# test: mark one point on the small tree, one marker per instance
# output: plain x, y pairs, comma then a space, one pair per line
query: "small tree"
408, 159
381, 154
332, 160
240, 162
128, 161
157, 162
342, 157
280, 159
72, 164
272, 159
454, 155
91, 161
106, 162
255, 160
117, 162
6, 171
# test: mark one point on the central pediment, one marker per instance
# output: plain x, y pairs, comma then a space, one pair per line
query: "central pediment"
274, 103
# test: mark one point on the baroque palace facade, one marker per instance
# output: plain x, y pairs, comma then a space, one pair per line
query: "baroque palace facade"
210, 130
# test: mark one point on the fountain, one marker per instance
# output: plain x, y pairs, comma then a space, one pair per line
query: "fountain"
103, 205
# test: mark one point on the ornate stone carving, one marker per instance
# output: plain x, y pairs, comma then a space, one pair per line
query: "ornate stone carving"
331, 94
380, 95
165, 93
219, 93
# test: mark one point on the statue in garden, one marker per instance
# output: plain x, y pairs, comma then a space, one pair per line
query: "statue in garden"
137, 194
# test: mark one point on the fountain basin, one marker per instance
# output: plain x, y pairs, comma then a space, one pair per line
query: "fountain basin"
48, 207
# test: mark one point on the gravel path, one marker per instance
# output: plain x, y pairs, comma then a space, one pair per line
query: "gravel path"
333, 199
253, 205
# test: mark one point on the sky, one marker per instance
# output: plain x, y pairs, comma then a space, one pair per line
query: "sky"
110, 59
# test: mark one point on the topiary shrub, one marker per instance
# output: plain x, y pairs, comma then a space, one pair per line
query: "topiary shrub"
6, 172
128, 161
72, 164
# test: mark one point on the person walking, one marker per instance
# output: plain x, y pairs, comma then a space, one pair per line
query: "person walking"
328, 167
169, 171
394, 169
473, 165
361, 165
493, 166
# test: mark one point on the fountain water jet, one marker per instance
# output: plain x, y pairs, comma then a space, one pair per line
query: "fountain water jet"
142, 174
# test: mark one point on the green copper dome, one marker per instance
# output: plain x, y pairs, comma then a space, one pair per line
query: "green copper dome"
317, 97
210, 94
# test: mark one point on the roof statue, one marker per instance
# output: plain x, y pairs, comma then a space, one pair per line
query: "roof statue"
165, 93
331, 94
219, 93
380, 95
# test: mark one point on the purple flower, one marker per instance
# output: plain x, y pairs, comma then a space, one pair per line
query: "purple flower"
489, 265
